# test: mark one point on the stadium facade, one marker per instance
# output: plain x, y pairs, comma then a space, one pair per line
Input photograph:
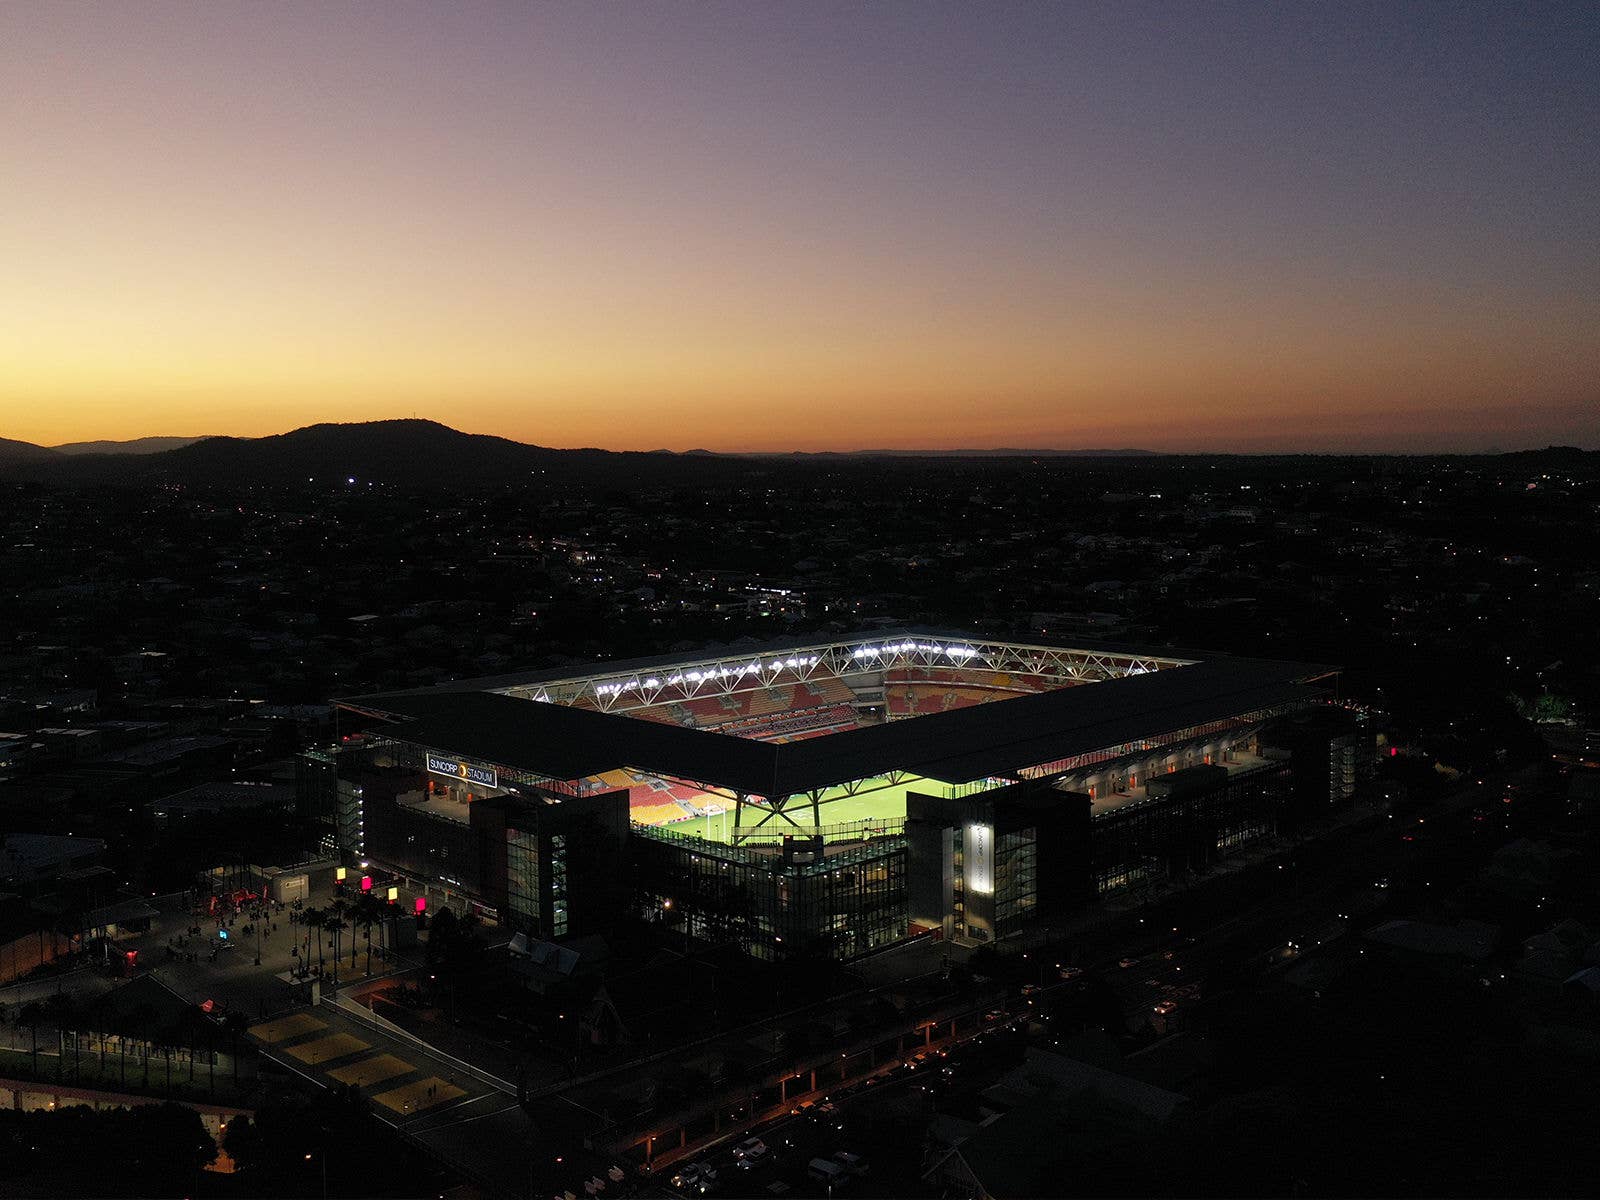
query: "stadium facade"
834, 796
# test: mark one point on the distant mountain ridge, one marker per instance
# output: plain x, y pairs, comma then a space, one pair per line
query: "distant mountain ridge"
408, 452
997, 452
426, 454
144, 445
12, 451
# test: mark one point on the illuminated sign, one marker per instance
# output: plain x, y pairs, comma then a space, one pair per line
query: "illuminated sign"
978, 856
464, 771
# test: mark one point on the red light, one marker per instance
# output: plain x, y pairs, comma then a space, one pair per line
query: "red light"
366, 883
422, 905
1393, 751
132, 955
208, 1006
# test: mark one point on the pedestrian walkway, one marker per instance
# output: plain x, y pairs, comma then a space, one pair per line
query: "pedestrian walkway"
326, 1049
293, 1026
330, 1047
373, 1070
419, 1095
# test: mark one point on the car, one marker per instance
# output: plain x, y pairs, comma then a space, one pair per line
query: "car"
1126, 962
1028, 989
753, 1157
694, 1177
1068, 974
853, 1163
1166, 1008
751, 1145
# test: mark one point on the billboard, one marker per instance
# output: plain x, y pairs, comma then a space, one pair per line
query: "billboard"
978, 857
465, 772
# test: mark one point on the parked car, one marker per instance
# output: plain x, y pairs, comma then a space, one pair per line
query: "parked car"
752, 1157
697, 1178
751, 1145
828, 1172
853, 1163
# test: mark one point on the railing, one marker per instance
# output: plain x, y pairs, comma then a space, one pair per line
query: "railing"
774, 833
348, 1006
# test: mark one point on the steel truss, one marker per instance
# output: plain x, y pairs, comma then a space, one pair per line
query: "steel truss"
728, 675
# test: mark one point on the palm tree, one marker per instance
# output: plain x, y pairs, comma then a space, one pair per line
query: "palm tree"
362, 914
335, 924
143, 1019
30, 1015
338, 910
98, 1013
59, 1008
313, 917
235, 1024
190, 1023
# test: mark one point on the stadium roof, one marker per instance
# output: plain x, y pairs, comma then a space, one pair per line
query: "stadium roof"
749, 648
958, 746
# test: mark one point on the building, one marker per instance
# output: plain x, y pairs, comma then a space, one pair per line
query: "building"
990, 864
812, 799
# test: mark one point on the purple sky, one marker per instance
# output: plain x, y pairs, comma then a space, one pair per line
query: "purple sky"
802, 225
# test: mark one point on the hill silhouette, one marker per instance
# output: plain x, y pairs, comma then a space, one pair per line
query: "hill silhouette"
15, 452
144, 445
423, 455
410, 452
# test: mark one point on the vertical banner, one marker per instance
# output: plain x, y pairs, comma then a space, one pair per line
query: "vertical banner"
979, 856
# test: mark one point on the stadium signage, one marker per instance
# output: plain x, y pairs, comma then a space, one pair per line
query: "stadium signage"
463, 771
978, 859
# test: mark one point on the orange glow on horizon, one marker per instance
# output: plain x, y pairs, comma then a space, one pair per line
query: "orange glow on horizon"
594, 226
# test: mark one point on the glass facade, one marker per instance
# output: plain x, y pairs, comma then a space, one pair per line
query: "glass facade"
558, 884
522, 879
844, 904
1016, 878
1157, 837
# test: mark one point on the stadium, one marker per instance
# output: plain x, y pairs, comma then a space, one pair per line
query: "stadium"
836, 795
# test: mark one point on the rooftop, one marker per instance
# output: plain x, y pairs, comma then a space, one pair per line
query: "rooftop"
957, 746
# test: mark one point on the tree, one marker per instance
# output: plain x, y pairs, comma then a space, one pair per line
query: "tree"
441, 932
366, 915
143, 1021
235, 1023
30, 1015
314, 919
335, 925
242, 1141
59, 1006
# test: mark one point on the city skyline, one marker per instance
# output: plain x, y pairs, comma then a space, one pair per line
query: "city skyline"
832, 228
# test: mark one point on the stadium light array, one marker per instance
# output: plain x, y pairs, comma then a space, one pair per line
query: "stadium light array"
956, 652
713, 673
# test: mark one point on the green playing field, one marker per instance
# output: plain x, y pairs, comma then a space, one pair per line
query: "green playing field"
887, 802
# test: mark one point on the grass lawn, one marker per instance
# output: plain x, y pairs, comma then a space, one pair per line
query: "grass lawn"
887, 802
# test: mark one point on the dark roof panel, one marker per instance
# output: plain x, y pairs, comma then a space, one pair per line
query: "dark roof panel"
957, 746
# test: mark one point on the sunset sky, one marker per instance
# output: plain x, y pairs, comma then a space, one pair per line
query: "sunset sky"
776, 226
